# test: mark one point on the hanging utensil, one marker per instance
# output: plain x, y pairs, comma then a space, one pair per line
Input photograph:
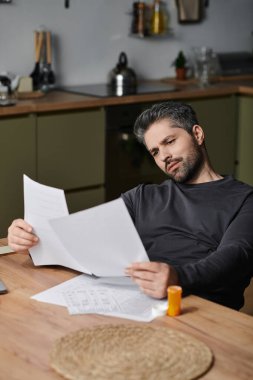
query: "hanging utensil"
35, 75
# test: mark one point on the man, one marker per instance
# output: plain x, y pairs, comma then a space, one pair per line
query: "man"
196, 226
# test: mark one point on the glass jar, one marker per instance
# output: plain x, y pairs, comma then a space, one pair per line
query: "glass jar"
202, 63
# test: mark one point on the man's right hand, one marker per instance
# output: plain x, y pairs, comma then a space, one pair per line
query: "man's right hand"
21, 236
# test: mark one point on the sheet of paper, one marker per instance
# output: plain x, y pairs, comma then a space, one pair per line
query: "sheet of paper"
41, 204
85, 295
55, 295
103, 238
5, 249
119, 281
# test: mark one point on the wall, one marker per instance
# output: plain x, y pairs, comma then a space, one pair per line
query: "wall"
89, 36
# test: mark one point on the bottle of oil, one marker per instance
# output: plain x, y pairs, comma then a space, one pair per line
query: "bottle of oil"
157, 22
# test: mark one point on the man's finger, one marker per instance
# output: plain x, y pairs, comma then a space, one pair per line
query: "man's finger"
145, 284
20, 223
150, 266
143, 275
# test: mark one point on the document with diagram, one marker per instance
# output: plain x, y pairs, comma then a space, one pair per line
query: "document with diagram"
85, 295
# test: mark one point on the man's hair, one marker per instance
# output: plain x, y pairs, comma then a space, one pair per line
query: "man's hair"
181, 114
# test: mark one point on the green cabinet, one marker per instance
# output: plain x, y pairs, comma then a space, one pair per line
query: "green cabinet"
218, 118
63, 149
67, 150
81, 199
71, 155
17, 157
244, 171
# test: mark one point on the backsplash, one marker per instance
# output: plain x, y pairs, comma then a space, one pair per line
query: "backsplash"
89, 35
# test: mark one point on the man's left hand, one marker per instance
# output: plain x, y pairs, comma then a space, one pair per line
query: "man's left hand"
153, 278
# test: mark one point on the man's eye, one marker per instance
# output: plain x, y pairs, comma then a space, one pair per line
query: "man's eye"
170, 141
154, 153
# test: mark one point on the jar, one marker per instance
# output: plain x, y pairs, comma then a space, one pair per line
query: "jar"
138, 24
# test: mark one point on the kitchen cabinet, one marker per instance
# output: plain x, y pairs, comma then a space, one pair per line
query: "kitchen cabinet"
62, 149
66, 148
128, 163
17, 157
81, 199
244, 170
218, 117
70, 155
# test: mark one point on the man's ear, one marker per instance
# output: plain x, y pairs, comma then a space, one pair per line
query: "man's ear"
198, 133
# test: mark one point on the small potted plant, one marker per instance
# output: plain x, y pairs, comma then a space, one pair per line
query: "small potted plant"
180, 65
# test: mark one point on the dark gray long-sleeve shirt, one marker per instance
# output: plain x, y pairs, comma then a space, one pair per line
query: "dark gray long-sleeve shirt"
204, 230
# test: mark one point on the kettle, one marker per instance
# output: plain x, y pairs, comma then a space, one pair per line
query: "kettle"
8, 84
122, 79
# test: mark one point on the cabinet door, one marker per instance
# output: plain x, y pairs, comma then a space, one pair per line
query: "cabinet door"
17, 157
71, 149
218, 117
244, 170
81, 200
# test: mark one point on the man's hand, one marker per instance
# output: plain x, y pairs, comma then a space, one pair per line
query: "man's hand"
153, 278
20, 235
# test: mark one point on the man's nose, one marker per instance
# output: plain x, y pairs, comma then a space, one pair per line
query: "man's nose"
165, 154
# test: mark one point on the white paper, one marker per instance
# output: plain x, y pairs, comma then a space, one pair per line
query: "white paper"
5, 249
55, 295
101, 240
85, 295
119, 281
41, 204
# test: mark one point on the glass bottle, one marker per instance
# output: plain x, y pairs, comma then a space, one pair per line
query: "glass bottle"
138, 25
157, 22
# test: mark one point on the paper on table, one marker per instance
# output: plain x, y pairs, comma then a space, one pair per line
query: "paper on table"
5, 249
55, 295
41, 204
103, 238
85, 295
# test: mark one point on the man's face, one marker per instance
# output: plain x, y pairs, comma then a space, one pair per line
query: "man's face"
175, 151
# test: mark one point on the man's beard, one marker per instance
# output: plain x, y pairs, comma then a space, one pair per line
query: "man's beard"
189, 167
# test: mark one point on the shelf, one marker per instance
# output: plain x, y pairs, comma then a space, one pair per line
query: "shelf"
167, 34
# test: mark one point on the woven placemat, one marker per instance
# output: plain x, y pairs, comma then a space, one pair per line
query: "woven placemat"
130, 352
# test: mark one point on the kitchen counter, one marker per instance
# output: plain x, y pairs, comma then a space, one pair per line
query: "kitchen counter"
59, 100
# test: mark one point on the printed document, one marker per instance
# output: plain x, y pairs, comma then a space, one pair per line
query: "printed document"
85, 295
101, 241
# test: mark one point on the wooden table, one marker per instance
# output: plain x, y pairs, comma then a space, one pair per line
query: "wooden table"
28, 328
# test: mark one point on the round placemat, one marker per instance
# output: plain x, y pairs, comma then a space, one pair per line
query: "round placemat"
132, 352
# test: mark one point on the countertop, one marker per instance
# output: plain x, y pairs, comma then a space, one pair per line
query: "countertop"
59, 100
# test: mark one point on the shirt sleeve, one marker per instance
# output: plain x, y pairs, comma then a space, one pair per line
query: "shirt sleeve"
232, 261
129, 198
